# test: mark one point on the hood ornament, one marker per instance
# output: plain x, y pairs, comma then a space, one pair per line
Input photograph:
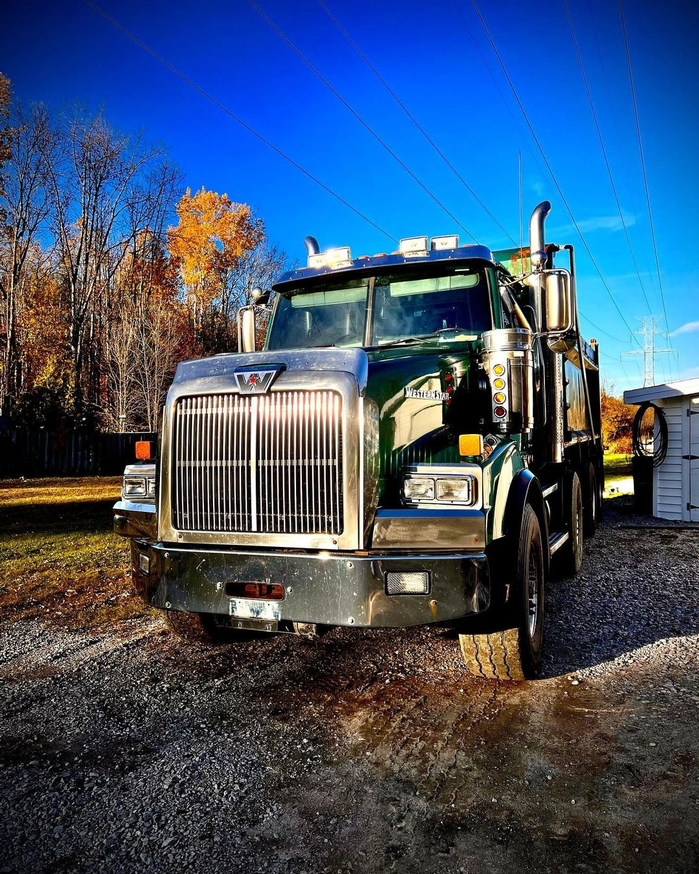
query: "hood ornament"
258, 380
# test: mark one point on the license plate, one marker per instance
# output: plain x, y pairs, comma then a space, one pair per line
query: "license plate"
249, 608
254, 624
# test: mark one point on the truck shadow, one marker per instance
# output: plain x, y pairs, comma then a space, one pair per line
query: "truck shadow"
637, 586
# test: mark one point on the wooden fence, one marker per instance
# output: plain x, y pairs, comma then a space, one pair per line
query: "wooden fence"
26, 453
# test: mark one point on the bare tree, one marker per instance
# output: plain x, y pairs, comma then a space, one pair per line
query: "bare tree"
157, 352
102, 199
25, 206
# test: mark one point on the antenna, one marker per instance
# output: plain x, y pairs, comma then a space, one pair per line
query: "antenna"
521, 205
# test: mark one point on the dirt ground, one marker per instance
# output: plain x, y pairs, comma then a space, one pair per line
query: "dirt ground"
367, 751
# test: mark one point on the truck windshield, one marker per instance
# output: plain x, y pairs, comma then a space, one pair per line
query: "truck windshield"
405, 307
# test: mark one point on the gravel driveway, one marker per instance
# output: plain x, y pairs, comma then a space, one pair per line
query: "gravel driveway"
367, 751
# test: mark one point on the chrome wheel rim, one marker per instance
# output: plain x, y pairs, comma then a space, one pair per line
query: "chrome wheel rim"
533, 594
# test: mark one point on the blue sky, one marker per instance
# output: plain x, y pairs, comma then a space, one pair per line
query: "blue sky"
438, 59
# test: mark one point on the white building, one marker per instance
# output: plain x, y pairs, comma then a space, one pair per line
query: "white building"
676, 479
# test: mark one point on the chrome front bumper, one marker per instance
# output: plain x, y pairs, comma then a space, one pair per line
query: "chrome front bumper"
323, 588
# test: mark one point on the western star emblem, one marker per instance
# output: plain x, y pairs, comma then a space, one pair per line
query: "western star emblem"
425, 394
257, 381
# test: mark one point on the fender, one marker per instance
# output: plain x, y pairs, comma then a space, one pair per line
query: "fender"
526, 489
502, 552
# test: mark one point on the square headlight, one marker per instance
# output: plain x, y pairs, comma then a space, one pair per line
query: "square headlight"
135, 487
457, 490
418, 488
139, 483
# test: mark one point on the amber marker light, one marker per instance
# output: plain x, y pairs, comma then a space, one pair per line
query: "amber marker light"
143, 450
470, 444
498, 383
499, 397
499, 369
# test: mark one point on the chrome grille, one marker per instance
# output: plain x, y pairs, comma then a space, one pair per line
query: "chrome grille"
258, 463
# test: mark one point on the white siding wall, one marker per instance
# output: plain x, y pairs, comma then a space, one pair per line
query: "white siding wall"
669, 500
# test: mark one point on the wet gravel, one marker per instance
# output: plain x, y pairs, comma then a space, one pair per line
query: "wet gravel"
367, 751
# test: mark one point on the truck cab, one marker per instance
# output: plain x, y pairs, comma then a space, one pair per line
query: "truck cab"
417, 442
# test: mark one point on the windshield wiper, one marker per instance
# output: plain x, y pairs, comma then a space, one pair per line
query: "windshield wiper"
409, 341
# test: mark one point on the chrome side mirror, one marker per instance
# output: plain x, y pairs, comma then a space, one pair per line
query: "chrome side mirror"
246, 329
559, 302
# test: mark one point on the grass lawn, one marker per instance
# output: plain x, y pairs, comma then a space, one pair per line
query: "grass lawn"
59, 559
617, 472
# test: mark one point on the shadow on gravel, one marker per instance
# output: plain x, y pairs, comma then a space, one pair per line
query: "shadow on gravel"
639, 584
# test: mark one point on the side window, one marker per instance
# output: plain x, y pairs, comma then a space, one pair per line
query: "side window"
508, 316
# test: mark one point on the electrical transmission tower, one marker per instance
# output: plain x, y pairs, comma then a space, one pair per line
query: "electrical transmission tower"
648, 330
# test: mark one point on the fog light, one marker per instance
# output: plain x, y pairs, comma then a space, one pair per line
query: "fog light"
143, 563
407, 582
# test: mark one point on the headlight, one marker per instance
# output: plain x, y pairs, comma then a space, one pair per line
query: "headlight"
440, 489
139, 483
458, 490
135, 487
418, 488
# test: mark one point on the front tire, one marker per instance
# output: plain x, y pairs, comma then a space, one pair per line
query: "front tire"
194, 627
515, 653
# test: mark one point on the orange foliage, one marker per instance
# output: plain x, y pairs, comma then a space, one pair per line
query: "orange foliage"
212, 235
617, 422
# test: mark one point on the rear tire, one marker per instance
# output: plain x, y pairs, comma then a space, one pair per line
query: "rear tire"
569, 557
592, 511
515, 653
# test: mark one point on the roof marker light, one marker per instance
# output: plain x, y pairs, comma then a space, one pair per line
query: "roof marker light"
338, 257
448, 241
333, 258
413, 246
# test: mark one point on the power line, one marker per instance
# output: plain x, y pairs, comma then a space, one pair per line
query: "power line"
602, 146
359, 118
601, 330
496, 84
619, 362
643, 161
412, 118
239, 120
549, 167
613, 116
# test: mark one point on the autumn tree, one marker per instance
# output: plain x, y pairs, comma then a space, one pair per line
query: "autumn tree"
148, 334
617, 424
107, 187
26, 204
45, 394
98, 302
211, 240
5, 102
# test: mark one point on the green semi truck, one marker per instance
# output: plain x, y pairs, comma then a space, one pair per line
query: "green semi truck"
417, 442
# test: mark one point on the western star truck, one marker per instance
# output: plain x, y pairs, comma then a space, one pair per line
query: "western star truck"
417, 442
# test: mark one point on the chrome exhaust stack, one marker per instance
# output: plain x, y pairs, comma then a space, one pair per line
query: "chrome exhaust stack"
537, 241
312, 247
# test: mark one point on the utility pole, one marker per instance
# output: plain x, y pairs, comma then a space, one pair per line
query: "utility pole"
648, 330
